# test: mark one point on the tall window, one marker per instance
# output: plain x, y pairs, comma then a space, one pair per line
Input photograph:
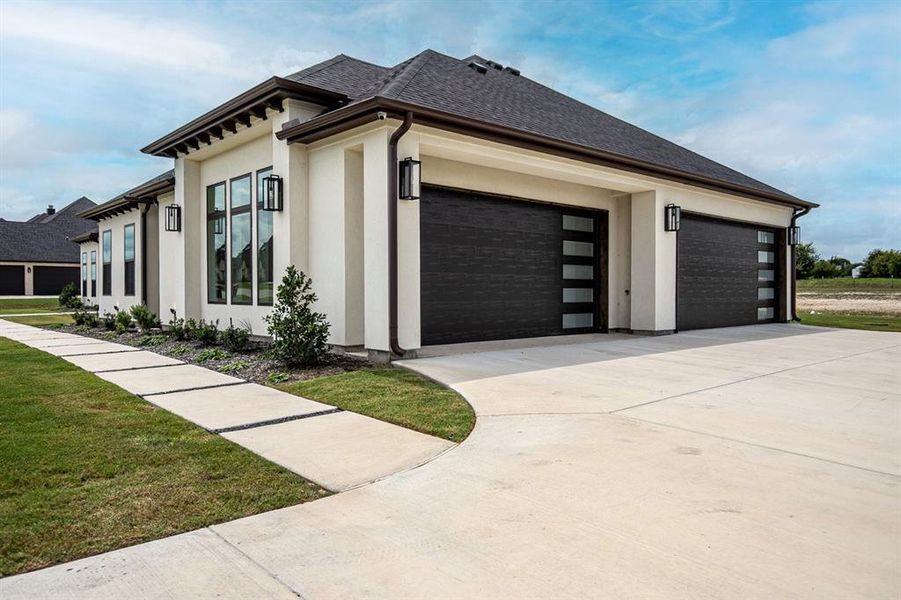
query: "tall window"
129, 247
93, 272
216, 258
241, 241
84, 273
264, 244
107, 263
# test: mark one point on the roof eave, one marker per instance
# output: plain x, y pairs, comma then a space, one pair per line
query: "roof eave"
255, 102
367, 110
128, 201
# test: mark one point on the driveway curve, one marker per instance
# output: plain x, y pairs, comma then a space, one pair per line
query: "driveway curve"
742, 462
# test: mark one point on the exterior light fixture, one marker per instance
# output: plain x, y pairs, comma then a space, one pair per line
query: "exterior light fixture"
173, 217
672, 217
408, 179
794, 235
272, 193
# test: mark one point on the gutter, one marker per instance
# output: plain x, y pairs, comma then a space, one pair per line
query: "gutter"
392, 233
355, 114
796, 214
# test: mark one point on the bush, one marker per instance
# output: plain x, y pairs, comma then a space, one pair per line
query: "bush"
299, 335
68, 297
144, 317
85, 318
179, 350
235, 338
234, 366
122, 322
278, 377
153, 340
178, 329
109, 321
203, 332
212, 354
882, 263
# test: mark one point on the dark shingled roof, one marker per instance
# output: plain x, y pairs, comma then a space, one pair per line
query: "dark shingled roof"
46, 238
436, 81
154, 186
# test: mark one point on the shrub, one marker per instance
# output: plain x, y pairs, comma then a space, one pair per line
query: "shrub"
178, 329
153, 340
179, 350
235, 338
205, 333
68, 297
212, 354
109, 321
122, 322
234, 366
299, 335
85, 318
144, 317
278, 377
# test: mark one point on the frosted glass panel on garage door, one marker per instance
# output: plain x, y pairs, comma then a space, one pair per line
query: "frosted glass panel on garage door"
575, 223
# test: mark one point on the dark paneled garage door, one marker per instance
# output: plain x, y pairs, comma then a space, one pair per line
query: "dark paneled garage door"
500, 269
728, 273
12, 280
49, 281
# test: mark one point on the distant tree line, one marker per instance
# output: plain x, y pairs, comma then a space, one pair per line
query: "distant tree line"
879, 263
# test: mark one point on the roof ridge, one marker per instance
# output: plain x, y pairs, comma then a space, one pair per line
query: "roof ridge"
405, 75
320, 66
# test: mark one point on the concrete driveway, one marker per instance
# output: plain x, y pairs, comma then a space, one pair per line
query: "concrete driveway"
759, 462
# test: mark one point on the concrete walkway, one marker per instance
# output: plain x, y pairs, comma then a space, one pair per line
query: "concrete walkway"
335, 449
757, 462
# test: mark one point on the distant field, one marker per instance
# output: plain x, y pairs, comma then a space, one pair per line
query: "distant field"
848, 284
868, 322
26, 305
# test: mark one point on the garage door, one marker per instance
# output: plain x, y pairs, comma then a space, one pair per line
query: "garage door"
12, 280
49, 281
728, 273
496, 268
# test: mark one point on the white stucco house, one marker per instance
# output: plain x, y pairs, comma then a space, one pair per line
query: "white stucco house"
443, 200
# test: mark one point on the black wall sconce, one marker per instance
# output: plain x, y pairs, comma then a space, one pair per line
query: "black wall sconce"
672, 217
173, 217
408, 179
272, 193
794, 235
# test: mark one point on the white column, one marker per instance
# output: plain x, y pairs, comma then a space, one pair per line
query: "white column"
184, 275
375, 240
408, 314
653, 272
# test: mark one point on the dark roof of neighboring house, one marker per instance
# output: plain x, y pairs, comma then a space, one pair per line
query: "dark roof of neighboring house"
502, 97
129, 200
46, 237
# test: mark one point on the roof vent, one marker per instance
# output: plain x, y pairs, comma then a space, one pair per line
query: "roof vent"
511, 71
50, 209
495, 65
478, 67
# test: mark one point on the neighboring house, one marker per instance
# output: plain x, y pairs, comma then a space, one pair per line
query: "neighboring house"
857, 272
38, 257
122, 253
444, 200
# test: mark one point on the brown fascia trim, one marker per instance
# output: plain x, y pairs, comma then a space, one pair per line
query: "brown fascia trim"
356, 114
90, 236
274, 89
128, 201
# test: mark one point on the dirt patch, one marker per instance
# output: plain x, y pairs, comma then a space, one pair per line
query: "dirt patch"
255, 364
868, 303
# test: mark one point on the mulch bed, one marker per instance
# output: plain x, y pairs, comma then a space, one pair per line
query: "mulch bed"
253, 364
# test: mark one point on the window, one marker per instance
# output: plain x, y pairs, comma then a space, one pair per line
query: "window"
129, 251
766, 237
241, 241
264, 244
93, 272
765, 313
84, 273
766, 257
578, 272
215, 244
107, 263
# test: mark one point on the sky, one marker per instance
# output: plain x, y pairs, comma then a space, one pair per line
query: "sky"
805, 96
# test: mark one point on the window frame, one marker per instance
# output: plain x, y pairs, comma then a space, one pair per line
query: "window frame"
237, 212
93, 273
259, 212
211, 216
84, 273
106, 240
128, 266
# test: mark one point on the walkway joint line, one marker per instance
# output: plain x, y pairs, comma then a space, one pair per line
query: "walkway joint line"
277, 421
193, 389
179, 363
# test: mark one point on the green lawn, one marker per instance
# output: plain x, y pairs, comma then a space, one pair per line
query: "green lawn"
41, 320
394, 395
849, 284
857, 321
86, 467
27, 305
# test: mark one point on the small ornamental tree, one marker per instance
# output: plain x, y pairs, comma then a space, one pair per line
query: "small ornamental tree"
299, 335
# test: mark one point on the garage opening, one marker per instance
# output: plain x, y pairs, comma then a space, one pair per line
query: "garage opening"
50, 281
502, 268
12, 280
729, 273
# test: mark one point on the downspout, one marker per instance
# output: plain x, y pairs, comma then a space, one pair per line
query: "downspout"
392, 233
797, 213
